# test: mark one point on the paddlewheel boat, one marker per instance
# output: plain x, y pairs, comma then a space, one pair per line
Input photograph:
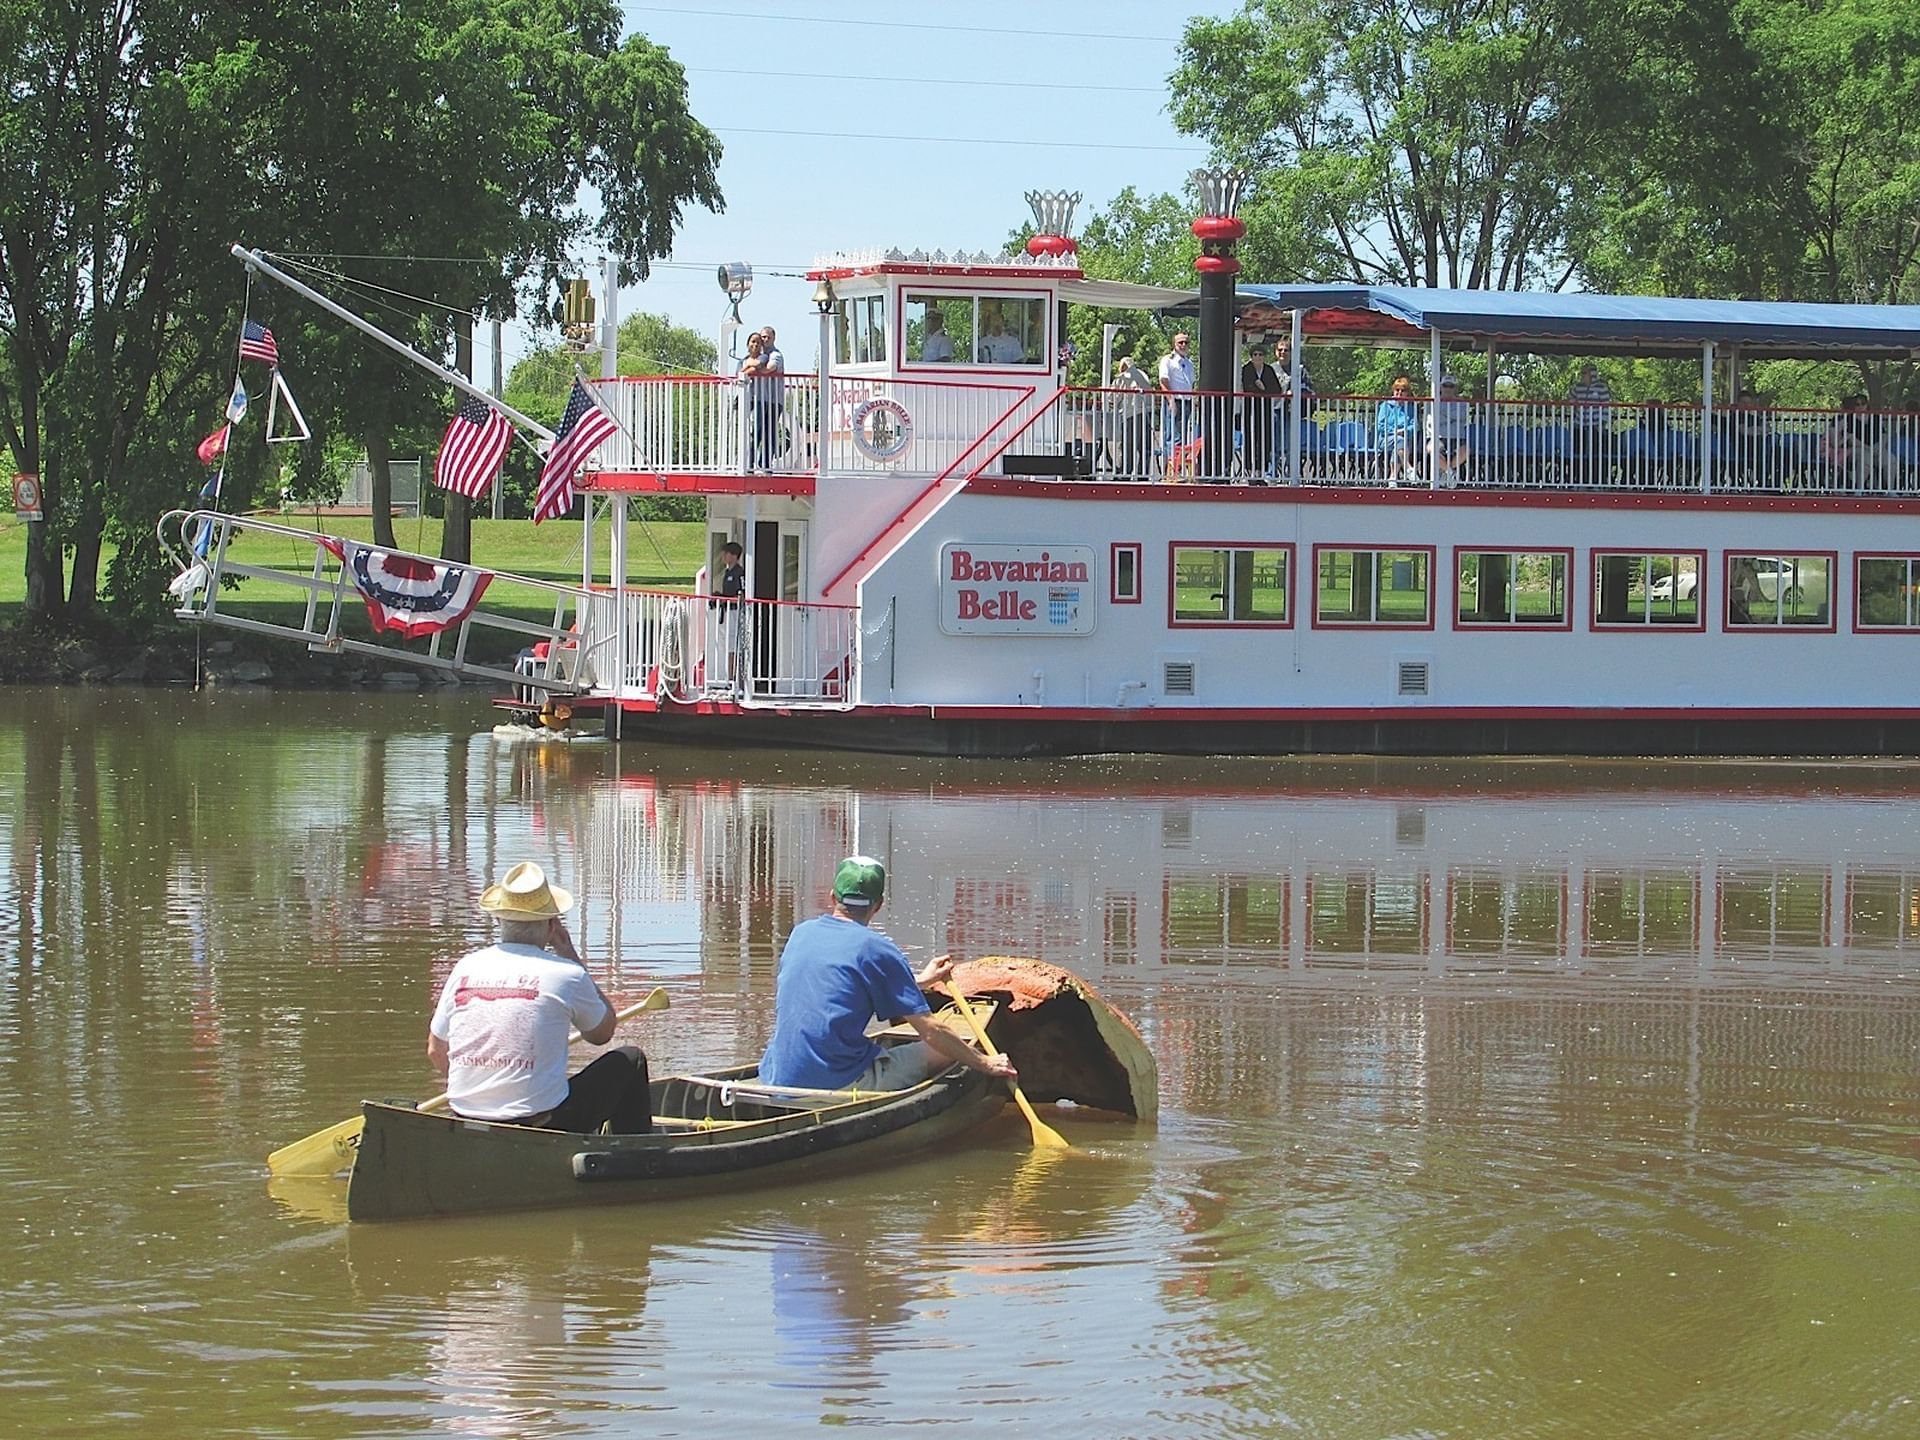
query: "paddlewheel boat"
950, 550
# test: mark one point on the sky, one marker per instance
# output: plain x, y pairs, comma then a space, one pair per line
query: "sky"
866, 124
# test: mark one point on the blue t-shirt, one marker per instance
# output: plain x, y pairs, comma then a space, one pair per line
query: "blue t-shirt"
835, 976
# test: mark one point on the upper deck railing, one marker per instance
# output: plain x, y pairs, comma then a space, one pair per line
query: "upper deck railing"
710, 425
1500, 444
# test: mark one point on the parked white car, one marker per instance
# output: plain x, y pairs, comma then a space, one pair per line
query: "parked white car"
1674, 586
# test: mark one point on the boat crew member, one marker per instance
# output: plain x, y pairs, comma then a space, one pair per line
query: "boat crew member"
837, 975
500, 1031
936, 349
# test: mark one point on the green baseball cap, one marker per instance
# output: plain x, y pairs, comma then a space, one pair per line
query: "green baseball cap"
860, 882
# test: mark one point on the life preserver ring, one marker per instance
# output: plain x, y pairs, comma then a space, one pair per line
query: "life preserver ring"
882, 428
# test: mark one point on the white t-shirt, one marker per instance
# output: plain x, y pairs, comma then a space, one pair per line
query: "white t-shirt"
1176, 373
937, 350
505, 1013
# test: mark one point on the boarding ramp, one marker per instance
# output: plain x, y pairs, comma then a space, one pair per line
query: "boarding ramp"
558, 657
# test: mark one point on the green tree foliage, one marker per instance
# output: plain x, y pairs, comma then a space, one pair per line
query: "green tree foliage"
537, 386
141, 138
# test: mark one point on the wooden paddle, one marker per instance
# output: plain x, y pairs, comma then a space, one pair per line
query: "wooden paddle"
1045, 1137
330, 1150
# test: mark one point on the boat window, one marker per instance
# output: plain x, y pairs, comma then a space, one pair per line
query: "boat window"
1373, 587
1024, 321
1887, 590
1635, 913
1779, 590
1125, 574
1218, 585
938, 327
862, 325
1634, 588
1512, 588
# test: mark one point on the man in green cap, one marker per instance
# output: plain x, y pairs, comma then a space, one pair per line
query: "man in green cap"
836, 976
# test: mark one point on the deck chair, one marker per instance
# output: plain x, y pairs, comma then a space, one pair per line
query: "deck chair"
1183, 461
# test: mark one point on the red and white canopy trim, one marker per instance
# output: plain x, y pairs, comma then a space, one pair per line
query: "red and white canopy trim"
412, 597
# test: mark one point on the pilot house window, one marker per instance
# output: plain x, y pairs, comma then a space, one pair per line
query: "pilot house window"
946, 327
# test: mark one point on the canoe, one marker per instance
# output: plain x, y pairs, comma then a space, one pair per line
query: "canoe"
721, 1131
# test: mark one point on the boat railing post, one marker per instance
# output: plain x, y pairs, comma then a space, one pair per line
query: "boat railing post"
1296, 400
1706, 417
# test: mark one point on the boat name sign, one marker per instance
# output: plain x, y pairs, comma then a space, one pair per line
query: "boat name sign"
1016, 589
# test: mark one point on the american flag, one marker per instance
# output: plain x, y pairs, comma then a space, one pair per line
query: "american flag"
473, 449
256, 343
583, 429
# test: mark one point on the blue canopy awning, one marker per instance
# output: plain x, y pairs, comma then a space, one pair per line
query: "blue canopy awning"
1580, 320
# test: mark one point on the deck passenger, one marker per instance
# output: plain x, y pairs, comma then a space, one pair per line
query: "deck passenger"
500, 1030
752, 377
1133, 410
836, 976
1176, 378
1592, 400
1395, 424
770, 398
1447, 444
1259, 384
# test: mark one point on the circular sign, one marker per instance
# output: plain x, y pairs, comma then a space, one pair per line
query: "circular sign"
882, 428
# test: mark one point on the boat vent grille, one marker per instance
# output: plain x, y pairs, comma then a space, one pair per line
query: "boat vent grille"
1177, 677
1414, 675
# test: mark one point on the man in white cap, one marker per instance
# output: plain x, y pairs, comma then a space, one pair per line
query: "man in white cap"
837, 975
500, 1031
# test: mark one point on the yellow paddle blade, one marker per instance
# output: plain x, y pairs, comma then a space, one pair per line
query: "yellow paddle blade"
325, 1152
1044, 1135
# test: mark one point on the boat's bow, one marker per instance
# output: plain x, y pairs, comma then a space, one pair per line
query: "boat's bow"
1066, 1040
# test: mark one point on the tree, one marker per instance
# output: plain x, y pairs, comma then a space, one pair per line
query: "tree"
1499, 144
138, 140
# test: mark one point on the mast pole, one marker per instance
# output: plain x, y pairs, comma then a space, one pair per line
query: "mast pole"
255, 260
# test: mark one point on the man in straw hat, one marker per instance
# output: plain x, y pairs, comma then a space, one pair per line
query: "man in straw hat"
836, 976
500, 1031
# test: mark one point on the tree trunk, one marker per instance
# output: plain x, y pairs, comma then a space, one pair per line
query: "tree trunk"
45, 590
380, 485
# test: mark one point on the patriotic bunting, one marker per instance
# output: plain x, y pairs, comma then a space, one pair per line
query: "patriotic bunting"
408, 596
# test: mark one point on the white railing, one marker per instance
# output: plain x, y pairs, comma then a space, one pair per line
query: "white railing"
690, 647
918, 427
1211, 438
710, 425
559, 656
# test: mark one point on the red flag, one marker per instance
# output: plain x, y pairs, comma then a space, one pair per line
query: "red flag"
583, 429
211, 447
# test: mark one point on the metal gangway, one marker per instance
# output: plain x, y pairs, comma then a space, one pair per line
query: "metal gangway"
558, 657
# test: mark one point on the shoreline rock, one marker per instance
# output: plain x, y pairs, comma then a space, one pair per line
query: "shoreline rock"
170, 657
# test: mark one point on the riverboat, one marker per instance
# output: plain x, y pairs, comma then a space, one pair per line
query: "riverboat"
951, 550
722, 1131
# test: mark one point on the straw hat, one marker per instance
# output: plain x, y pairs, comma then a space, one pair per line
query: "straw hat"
524, 894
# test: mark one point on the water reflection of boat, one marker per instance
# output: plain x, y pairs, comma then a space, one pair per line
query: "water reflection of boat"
1366, 872
722, 1132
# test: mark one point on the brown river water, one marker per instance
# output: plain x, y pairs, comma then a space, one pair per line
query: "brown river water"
1512, 1099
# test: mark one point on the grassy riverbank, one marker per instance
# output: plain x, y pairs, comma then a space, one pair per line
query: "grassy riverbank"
662, 555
